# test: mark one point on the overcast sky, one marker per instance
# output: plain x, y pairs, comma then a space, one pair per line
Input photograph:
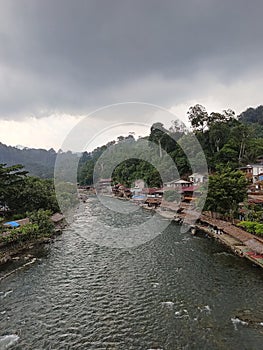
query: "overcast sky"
60, 60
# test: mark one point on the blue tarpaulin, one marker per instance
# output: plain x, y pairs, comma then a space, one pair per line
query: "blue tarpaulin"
12, 224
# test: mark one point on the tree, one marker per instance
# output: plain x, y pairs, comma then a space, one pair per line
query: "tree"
120, 138
218, 135
35, 194
224, 117
11, 180
166, 139
157, 135
227, 188
198, 117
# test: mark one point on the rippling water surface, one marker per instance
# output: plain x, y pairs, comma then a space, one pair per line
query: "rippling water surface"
172, 292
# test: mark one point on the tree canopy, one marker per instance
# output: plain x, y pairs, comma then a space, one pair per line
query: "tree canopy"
20, 193
227, 188
225, 139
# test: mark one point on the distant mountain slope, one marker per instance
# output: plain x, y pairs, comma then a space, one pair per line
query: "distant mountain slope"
38, 162
252, 115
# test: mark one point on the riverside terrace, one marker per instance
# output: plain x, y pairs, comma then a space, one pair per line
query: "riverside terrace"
238, 240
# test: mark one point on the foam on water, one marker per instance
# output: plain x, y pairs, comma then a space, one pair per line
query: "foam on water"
206, 308
168, 304
237, 321
181, 313
8, 340
155, 285
5, 294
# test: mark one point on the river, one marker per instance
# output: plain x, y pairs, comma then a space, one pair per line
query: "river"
174, 291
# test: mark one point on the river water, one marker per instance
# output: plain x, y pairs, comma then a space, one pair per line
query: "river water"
174, 291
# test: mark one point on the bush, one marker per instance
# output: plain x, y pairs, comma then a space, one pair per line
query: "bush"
18, 216
249, 226
42, 219
20, 234
259, 229
27, 231
252, 227
40, 226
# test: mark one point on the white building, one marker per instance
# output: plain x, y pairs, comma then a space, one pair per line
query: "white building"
256, 170
198, 178
177, 184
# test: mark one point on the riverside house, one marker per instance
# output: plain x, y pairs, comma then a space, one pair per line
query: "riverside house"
197, 178
175, 184
253, 172
104, 186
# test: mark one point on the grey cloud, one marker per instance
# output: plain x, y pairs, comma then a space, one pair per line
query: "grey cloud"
77, 55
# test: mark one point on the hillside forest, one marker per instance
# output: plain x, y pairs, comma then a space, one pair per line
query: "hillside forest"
227, 141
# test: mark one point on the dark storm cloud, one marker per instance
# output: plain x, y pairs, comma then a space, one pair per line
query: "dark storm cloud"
71, 56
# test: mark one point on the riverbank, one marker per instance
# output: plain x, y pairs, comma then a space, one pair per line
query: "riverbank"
242, 243
14, 252
29, 233
239, 241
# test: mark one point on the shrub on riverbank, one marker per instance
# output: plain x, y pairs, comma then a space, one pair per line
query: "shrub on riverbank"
252, 227
41, 218
40, 226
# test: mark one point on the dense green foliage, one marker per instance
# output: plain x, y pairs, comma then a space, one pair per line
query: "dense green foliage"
86, 165
20, 193
254, 118
227, 188
21, 234
33, 194
11, 182
253, 212
228, 141
133, 169
10, 176
225, 139
40, 226
41, 218
146, 158
252, 227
